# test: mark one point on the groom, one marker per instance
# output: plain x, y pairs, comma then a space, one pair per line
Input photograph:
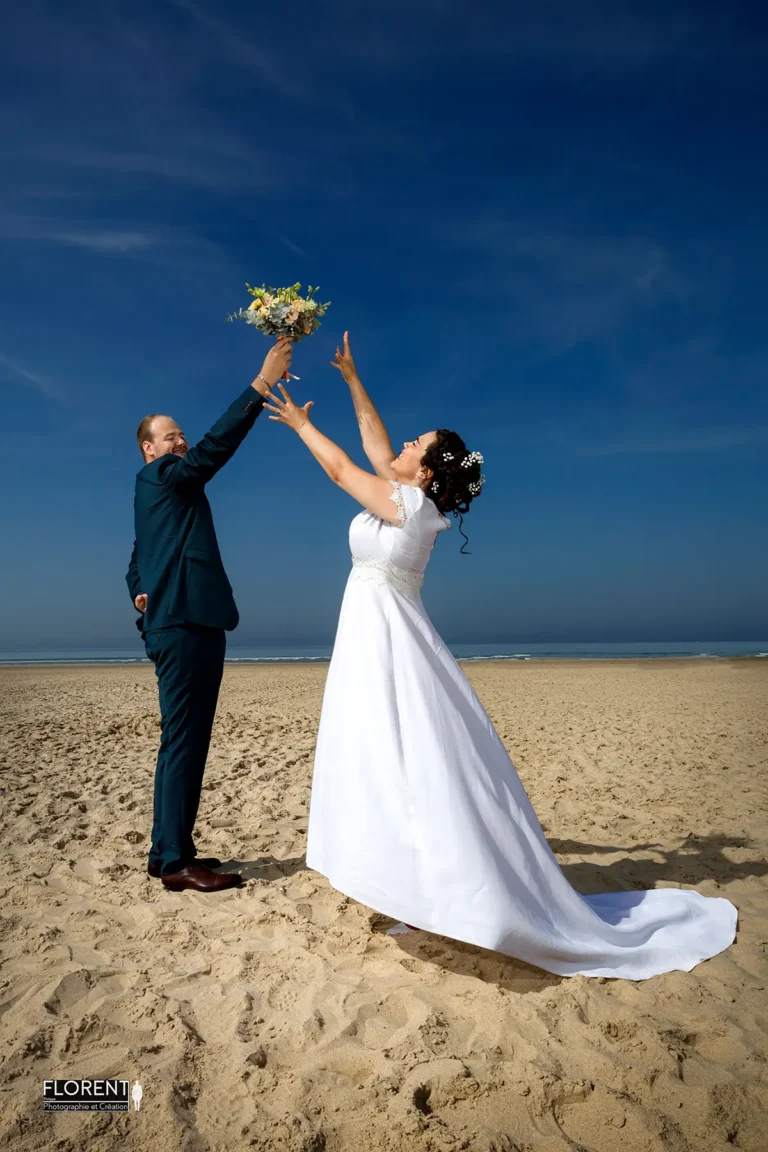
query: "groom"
177, 582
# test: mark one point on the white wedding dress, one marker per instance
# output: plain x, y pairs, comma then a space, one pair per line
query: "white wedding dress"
417, 810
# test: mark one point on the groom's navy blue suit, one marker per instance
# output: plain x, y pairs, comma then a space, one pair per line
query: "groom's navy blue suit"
177, 564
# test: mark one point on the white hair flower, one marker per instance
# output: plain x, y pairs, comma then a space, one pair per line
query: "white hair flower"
447, 455
472, 458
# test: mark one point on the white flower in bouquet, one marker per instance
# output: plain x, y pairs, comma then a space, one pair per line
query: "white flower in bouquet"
283, 312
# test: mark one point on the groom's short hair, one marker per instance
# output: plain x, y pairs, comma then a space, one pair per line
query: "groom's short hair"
144, 431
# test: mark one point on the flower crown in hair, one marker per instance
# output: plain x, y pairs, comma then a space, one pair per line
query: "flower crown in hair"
467, 462
470, 459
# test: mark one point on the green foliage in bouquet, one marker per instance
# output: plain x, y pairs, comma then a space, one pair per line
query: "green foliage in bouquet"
283, 311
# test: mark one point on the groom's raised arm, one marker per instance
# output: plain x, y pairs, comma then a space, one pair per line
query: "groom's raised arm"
202, 462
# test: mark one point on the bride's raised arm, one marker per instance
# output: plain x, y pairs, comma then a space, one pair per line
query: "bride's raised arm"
376, 493
376, 442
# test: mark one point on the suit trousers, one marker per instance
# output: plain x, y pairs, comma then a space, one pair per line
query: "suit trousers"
189, 664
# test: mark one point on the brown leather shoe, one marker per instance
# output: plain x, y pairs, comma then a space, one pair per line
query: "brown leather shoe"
206, 861
201, 879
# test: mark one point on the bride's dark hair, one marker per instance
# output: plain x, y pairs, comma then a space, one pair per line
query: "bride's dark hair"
457, 478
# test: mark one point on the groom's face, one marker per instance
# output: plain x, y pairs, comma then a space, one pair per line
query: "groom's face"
166, 436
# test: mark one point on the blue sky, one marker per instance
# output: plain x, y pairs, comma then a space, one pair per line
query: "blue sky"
543, 226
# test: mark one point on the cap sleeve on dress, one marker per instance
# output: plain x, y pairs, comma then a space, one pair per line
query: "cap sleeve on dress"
409, 501
398, 499
414, 506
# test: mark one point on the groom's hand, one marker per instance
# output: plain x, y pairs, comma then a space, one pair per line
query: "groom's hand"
141, 602
276, 364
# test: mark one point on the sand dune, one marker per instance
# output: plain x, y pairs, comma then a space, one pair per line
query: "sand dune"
281, 1017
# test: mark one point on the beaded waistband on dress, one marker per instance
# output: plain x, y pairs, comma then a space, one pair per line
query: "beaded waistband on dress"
382, 572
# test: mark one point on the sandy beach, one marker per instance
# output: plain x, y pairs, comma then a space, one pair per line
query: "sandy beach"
281, 1016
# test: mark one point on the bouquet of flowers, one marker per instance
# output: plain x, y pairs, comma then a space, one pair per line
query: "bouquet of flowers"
283, 312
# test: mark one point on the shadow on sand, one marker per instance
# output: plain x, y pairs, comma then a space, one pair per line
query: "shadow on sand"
697, 859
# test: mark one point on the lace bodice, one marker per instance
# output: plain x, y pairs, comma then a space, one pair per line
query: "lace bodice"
397, 554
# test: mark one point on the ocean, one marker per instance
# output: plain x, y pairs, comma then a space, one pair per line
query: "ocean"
269, 654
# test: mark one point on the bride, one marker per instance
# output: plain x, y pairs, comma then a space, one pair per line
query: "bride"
416, 808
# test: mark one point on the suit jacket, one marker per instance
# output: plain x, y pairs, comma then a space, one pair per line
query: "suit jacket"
176, 559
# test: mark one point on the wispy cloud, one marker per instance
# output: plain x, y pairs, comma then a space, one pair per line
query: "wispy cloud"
241, 49
281, 122
152, 61
595, 36
18, 373
292, 246
102, 241
559, 287
219, 159
679, 443
606, 435
107, 243
167, 246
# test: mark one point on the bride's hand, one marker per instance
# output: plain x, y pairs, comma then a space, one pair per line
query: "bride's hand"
344, 362
286, 411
